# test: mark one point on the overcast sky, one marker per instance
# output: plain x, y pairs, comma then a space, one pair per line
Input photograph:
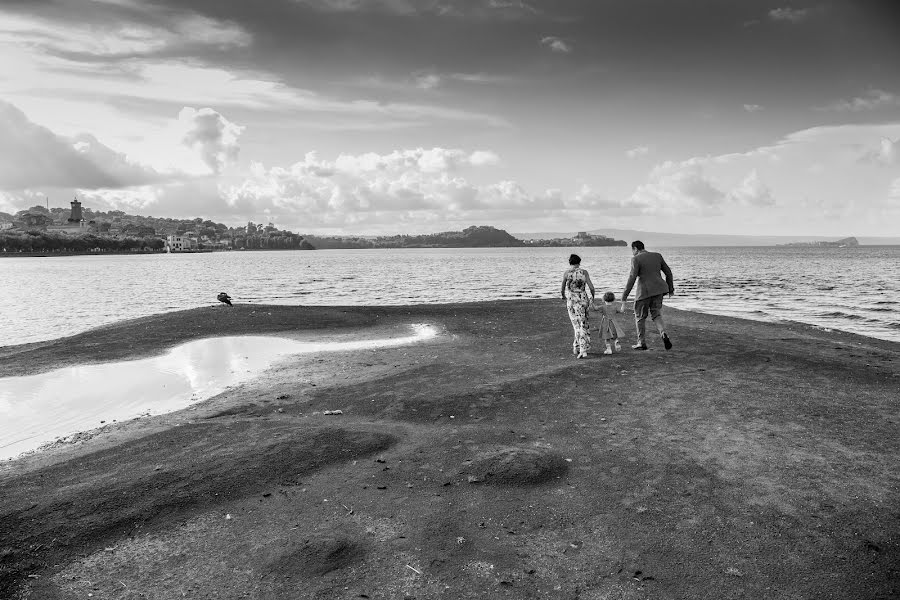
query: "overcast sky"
405, 116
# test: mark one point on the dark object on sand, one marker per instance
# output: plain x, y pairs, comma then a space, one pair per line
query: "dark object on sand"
223, 297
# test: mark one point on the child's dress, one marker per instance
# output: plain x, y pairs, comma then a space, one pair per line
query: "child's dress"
607, 327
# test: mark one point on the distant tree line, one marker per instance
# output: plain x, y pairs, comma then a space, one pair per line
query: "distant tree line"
48, 241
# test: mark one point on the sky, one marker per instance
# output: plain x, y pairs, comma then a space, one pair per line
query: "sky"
404, 116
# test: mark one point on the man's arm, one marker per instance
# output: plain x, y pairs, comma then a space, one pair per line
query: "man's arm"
670, 281
632, 277
562, 290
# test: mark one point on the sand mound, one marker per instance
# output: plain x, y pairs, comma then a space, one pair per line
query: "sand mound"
511, 465
318, 556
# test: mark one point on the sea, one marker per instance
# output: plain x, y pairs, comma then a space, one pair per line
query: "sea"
854, 289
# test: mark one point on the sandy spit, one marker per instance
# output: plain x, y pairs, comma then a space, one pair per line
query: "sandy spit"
753, 460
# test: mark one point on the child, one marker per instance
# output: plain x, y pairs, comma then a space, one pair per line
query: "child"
608, 329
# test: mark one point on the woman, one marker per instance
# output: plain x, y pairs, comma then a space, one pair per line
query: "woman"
575, 285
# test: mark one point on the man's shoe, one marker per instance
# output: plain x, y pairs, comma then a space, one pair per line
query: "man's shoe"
608, 350
639, 347
667, 342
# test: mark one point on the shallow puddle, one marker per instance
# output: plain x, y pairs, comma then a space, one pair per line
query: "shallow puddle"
38, 409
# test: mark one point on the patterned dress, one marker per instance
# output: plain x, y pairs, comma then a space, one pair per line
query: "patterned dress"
577, 300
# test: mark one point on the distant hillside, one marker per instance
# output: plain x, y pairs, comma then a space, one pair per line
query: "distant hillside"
658, 239
841, 243
471, 237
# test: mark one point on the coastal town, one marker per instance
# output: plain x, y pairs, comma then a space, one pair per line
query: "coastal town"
81, 230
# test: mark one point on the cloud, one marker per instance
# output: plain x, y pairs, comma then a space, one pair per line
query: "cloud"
894, 192
441, 8
211, 135
678, 189
34, 156
788, 14
74, 73
556, 44
586, 198
887, 153
133, 32
871, 100
328, 192
752, 108
422, 187
752, 192
819, 175
427, 81
512, 4
636, 152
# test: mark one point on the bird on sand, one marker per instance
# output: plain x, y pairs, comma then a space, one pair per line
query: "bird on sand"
223, 297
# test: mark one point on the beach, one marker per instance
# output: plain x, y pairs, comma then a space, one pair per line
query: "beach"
754, 460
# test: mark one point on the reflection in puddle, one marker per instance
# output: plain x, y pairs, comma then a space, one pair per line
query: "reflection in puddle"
38, 409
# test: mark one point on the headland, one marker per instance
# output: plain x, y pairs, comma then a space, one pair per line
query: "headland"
753, 460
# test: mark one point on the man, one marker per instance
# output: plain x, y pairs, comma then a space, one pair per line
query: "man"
645, 268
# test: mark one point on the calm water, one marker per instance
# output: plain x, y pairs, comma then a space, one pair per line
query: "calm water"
37, 409
851, 289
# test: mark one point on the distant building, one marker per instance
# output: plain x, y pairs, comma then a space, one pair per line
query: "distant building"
180, 243
6, 225
75, 222
76, 216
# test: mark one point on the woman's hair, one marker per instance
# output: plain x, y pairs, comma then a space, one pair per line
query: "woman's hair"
609, 297
574, 259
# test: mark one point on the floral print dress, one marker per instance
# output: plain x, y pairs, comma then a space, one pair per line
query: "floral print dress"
577, 301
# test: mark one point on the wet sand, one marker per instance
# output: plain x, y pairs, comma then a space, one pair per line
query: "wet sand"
753, 460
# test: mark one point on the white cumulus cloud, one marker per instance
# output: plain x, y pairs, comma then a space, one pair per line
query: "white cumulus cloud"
678, 189
871, 100
556, 44
887, 153
752, 192
211, 135
636, 152
404, 180
791, 15
34, 156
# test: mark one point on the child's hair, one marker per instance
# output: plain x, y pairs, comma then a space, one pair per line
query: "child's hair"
609, 297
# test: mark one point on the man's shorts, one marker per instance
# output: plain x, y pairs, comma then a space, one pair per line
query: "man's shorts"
648, 307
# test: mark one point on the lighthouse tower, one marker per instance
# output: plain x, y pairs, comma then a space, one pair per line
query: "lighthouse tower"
76, 216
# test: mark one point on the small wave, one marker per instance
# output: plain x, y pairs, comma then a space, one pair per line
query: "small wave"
842, 315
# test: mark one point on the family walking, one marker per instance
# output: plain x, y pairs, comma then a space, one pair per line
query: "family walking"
578, 292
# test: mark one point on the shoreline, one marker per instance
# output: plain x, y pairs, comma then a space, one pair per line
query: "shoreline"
775, 321
754, 459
